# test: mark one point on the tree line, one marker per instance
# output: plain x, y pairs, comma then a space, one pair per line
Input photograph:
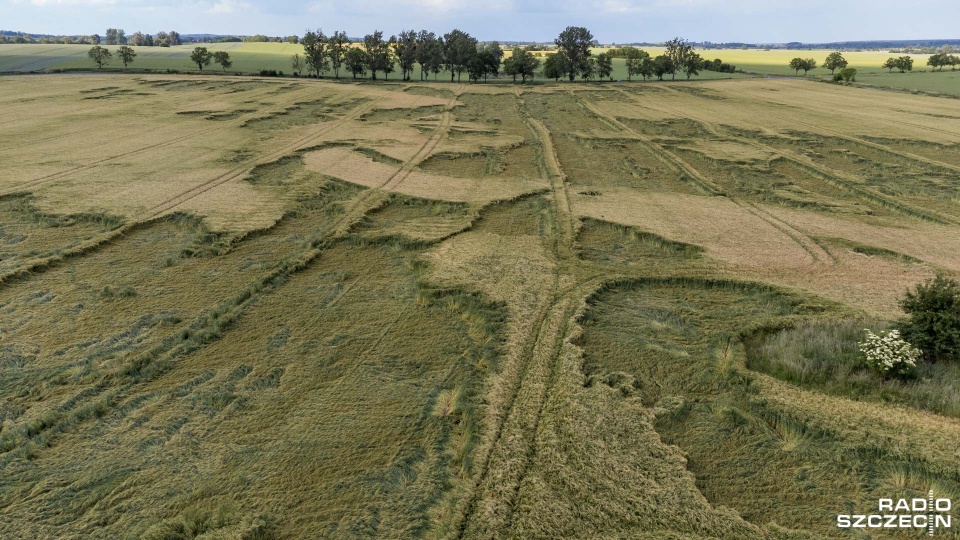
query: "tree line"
835, 60
200, 56
455, 52
459, 53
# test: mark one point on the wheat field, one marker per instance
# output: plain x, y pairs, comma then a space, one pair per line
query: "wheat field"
237, 308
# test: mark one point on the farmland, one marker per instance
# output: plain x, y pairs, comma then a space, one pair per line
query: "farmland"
280, 308
253, 57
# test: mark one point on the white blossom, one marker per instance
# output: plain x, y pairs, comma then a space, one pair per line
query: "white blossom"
888, 353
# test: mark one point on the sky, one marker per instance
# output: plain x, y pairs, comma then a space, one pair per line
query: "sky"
610, 21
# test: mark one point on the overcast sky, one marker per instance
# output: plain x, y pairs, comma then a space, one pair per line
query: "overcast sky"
611, 21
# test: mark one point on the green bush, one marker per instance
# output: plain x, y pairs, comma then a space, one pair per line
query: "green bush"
933, 322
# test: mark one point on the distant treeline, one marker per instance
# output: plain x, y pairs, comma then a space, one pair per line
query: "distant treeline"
457, 52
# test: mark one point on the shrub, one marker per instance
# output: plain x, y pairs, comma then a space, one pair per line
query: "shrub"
933, 322
889, 354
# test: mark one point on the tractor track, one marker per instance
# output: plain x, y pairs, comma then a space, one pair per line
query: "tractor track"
328, 234
840, 179
512, 443
817, 253
236, 122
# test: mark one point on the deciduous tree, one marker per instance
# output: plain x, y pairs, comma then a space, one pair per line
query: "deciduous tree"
201, 57
297, 64
355, 61
377, 54
337, 48
692, 64
904, 63
575, 42
835, 61
100, 55
634, 60
315, 51
405, 49
126, 55
604, 66
458, 47
554, 66
662, 65
678, 51
223, 59
848, 74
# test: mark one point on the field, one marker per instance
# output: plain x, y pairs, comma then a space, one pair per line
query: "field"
275, 308
252, 57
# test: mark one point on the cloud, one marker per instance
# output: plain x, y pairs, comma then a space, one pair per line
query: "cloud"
228, 6
44, 3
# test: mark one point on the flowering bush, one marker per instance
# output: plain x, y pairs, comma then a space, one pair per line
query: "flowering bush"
889, 354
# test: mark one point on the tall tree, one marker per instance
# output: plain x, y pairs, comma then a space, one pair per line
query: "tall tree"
111, 36
162, 39
807, 65
937, 61
647, 67
494, 48
692, 64
201, 57
890, 64
904, 63
459, 47
377, 54
223, 59
552, 67
604, 66
426, 43
679, 51
137, 39
337, 47
315, 51
100, 55
174, 38
95, 39
589, 70
835, 61
126, 55
437, 57
796, 65
476, 68
297, 64
526, 63
405, 48
662, 65
491, 63
575, 42
634, 60
355, 61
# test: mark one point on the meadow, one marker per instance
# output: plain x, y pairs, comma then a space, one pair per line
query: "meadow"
261, 308
253, 57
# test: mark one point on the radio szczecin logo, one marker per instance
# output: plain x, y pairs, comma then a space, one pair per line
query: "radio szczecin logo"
929, 514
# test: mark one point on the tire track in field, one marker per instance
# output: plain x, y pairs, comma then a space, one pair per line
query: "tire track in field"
236, 122
302, 142
898, 123
807, 244
258, 93
839, 179
511, 450
157, 210
234, 307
